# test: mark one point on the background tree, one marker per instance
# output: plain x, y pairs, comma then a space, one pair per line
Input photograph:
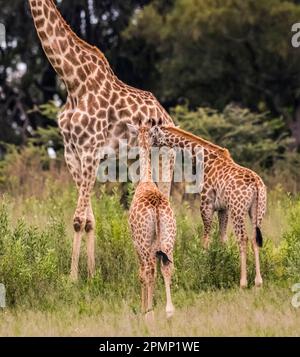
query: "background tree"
213, 52
254, 140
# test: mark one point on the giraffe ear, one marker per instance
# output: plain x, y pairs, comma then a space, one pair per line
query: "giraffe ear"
133, 130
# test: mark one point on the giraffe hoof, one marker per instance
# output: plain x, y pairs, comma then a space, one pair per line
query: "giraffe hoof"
91, 272
149, 317
73, 278
224, 239
258, 282
91, 276
205, 246
170, 313
243, 284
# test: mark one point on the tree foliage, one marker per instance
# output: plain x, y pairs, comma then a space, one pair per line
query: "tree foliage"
254, 140
213, 53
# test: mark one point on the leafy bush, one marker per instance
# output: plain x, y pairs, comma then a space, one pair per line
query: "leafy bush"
253, 139
50, 135
291, 245
30, 260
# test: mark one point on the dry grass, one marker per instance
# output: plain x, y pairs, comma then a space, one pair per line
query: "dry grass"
265, 312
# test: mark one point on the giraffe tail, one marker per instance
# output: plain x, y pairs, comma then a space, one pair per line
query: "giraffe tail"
159, 253
163, 256
259, 203
259, 237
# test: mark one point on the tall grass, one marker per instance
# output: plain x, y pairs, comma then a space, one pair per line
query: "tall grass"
36, 210
35, 250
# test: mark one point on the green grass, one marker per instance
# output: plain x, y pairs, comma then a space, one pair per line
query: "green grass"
35, 250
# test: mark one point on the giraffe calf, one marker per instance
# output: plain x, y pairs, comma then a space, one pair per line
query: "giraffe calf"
153, 228
228, 189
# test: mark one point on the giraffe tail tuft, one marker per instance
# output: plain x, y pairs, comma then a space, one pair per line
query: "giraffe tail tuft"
163, 256
259, 237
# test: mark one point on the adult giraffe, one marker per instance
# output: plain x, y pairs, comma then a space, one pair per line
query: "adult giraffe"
228, 188
96, 113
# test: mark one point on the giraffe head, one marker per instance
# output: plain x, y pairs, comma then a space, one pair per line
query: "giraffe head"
157, 135
141, 133
172, 136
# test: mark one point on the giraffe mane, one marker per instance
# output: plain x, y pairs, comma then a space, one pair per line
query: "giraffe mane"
83, 43
196, 139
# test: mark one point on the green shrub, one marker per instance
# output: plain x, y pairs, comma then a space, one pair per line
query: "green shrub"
291, 245
254, 140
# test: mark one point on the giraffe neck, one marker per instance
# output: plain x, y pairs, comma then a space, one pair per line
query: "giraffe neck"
74, 60
175, 137
145, 164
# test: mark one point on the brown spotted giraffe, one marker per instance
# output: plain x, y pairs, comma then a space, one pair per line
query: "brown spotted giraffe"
97, 109
227, 188
153, 227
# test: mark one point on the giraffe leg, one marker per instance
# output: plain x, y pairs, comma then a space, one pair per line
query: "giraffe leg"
89, 166
164, 184
240, 231
166, 270
258, 278
223, 223
165, 241
90, 230
75, 255
150, 282
252, 214
73, 163
243, 254
84, 217
207, 213
144, 297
